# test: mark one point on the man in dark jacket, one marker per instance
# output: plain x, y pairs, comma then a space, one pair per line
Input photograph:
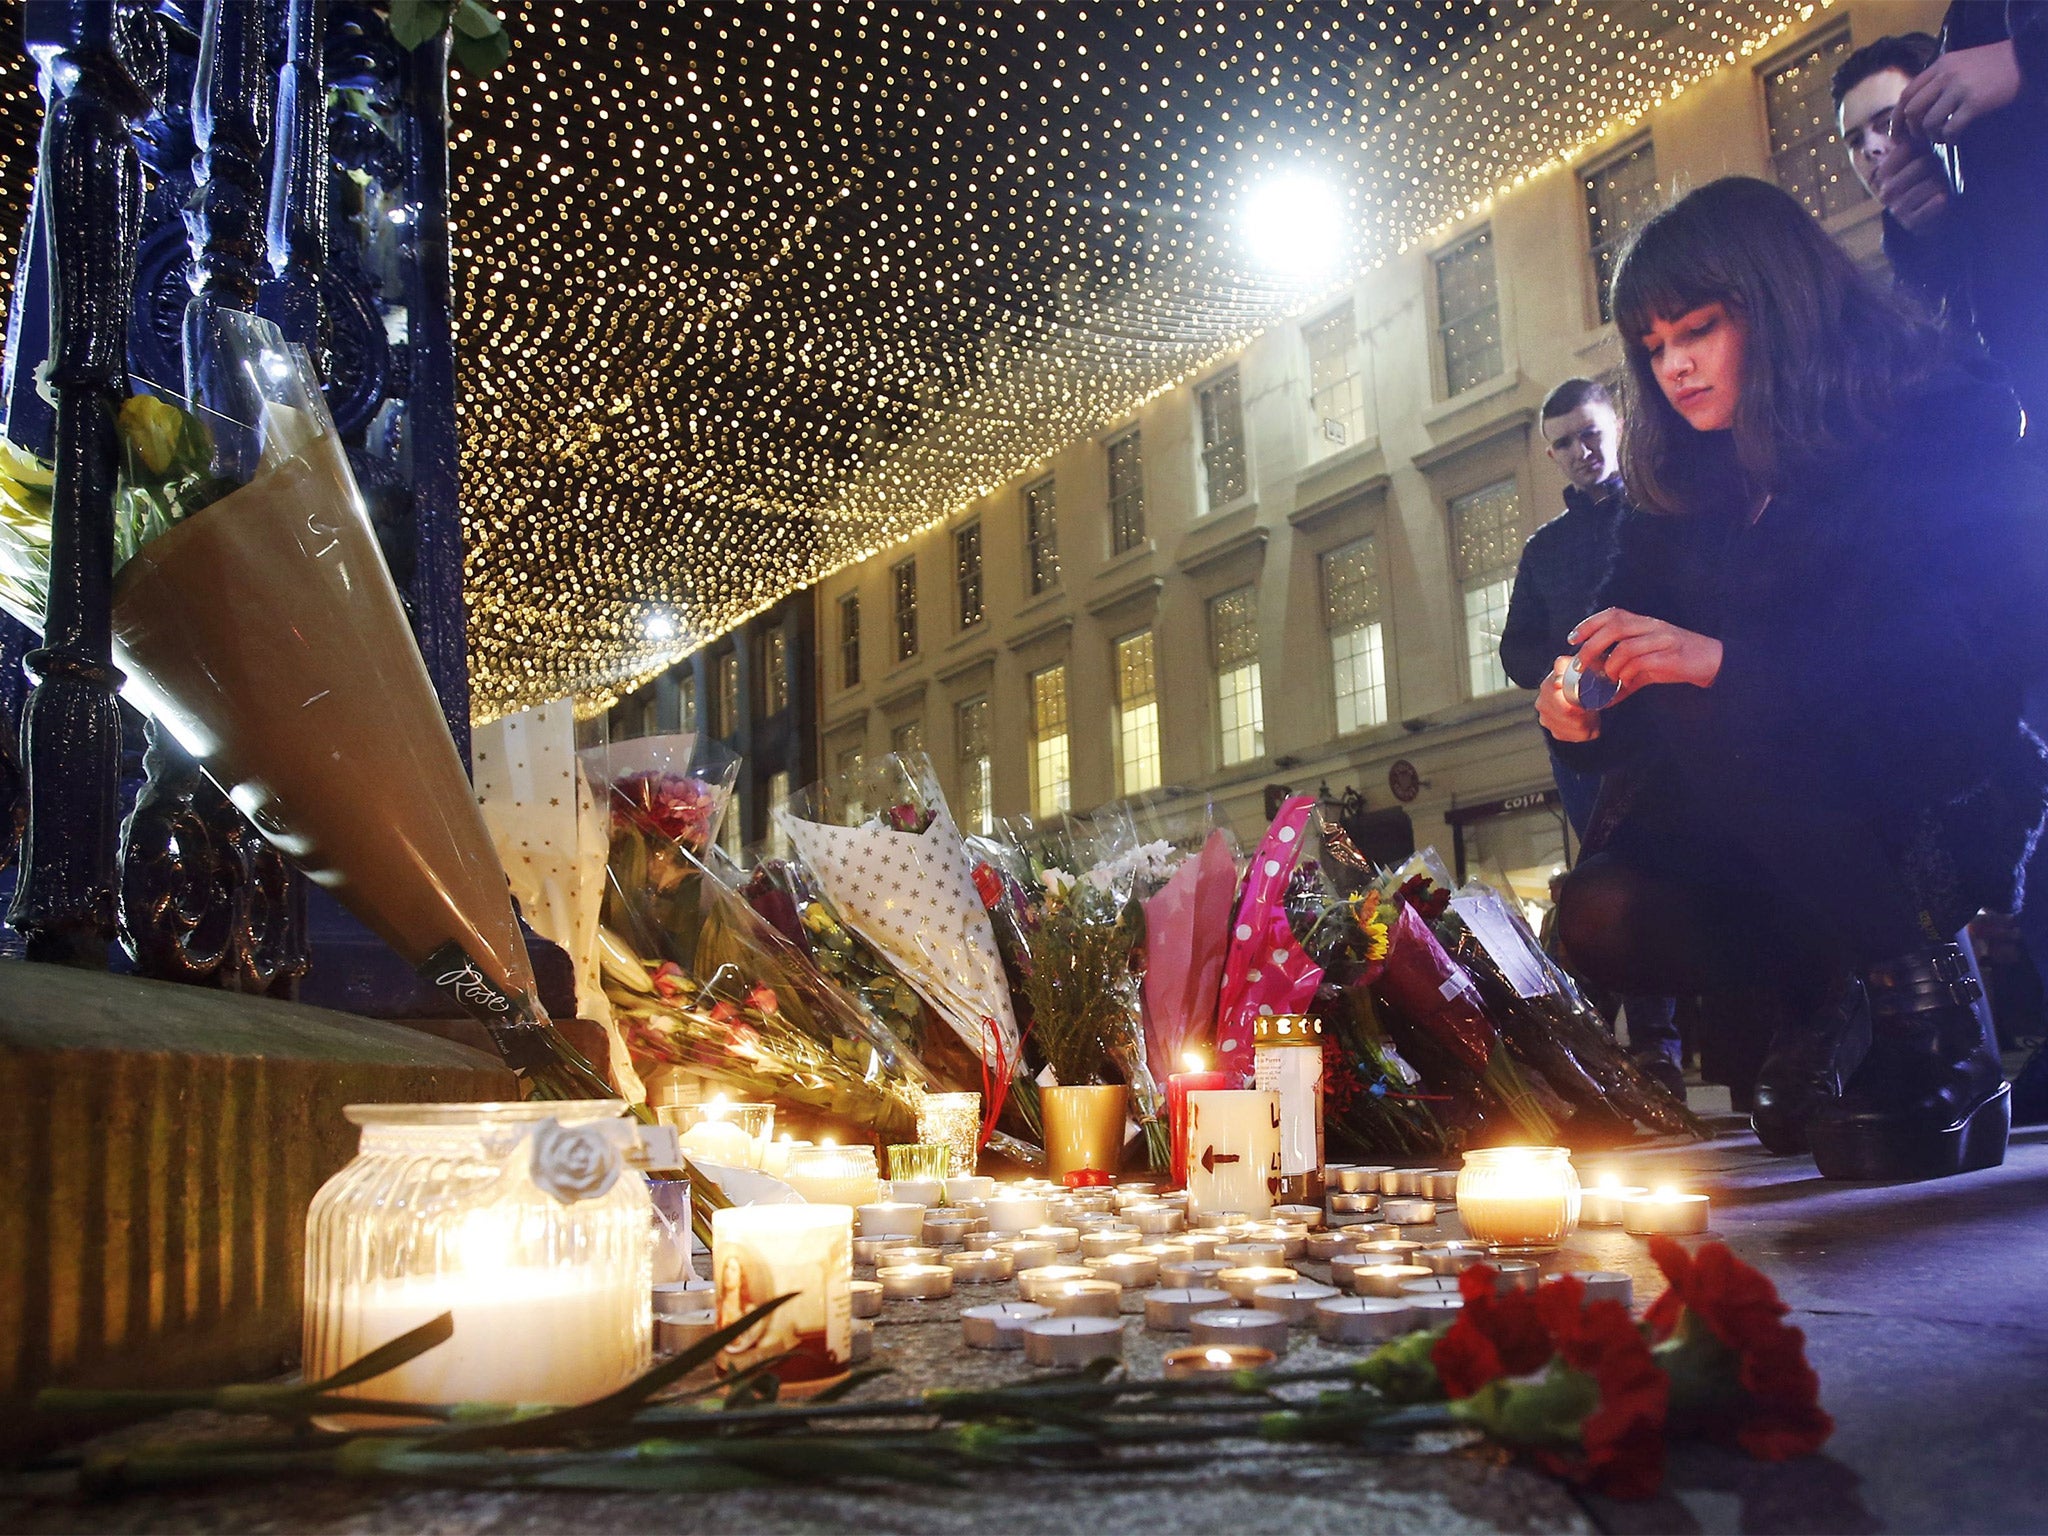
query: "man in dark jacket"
1562, 567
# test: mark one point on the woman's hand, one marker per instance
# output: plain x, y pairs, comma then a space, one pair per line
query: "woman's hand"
1564, 720
1959, 88
1636, 651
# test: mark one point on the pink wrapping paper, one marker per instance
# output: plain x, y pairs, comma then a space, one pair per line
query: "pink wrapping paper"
1266, 971
1187, 932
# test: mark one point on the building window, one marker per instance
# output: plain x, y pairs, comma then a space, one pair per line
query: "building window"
725, 693
1223, 473
1486, 540
1051, 781
907, 739
967, 573
1806, 157
849, 640
778, 797
903, 583
686, 702
730, 830
1620, 194
775, 672
1336, 393
1041, 537
1126, 494
970, 743
1351, 613
1137, 715
847, 764
1234, 653
1468, 313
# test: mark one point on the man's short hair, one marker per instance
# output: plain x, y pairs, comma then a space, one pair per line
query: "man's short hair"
1907, 52
1572, 394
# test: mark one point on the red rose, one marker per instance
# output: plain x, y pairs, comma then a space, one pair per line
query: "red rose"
1744, 1369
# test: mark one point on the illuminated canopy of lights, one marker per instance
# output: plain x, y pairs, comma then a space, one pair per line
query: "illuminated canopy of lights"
749, 292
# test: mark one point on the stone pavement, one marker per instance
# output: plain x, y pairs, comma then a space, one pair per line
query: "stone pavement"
1923, 1307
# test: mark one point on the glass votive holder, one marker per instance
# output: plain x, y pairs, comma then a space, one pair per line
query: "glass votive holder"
952, 1120
920, 1160
846, 1176
1519, 1198
731, 1135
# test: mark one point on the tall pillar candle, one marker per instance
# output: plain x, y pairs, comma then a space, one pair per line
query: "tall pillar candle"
1178, 1087
1233, 1151
759, 1252
1287, 1059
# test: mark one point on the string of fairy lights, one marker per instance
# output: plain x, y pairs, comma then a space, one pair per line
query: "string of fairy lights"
748, 293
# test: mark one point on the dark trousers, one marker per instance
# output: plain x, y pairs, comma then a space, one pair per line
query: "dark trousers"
1652, 1021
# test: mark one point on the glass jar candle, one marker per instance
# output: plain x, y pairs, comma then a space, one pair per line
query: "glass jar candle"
1287, 1059
521, 1220
731, 1135
1519, 1197
952, 1120
847, 1176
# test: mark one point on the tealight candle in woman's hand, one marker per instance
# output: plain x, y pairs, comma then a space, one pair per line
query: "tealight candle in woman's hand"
1664, 1213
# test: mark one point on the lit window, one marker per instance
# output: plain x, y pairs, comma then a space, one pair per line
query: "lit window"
1351, 612
1137, 715
775, 672
967, 573
1126, 494
1468, 312
904, 585
1234, 652
1620, 194
847, 765
1486, 539
1806, 157
1223, 475
686, 701
1041, 537
1336, 393
907, 739
725, 695
1050, 781
778, 797
849, 640
970, 740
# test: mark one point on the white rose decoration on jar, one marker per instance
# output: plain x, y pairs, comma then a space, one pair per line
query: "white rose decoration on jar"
573, 1162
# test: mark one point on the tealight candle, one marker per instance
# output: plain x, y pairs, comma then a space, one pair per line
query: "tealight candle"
1401, 1181
909, 1253
1294, 1300
834, 1175
863, 1342
944, 1229
1082, 1298
915, 1282
1000, 1325
1252, 1253
1173, 1311
1211, 1359
1360, 1179
1035, 1284
1055, 1341
1606, 1285
1192, 1272
1101, 1244
1390, 1251
1138, 1193
1008, 1213
962, 1187
1436, 1311
1025, 1254
869, 1250
1519, 1197
1292, 1237
1063, 1239
924, 1192
1363, 1319
1325, 1246
1164, 1253
1133, 1270
979, 1266
1263, 1330
1201, 1245
1342, 1204
867, 1298
1369, 1279
681, 1295
1442, 1184
675, 1332
1665, 1213
1601, 1205
1214, 1220
1453, 1257
1406, 1211
1306, 1215
1431, 1285
1516, 1275
895, 1218
1159, 1220
1244, 1280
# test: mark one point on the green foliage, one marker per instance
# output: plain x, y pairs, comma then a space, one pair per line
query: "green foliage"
480, 43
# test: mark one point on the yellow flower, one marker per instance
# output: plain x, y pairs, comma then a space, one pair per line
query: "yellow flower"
152, 428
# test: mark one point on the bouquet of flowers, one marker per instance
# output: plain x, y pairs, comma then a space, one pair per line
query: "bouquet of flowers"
1187, 938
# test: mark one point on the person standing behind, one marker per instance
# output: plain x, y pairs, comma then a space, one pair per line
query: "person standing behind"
1562, 567
1900, 171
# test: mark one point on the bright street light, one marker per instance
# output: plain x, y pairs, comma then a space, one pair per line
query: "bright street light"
1294, 225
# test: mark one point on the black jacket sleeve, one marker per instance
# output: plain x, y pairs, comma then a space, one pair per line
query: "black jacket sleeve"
1930, 267
1638, 576
1525, 653
2026, 23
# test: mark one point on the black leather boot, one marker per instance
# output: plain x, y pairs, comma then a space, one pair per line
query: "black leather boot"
1930, 1099
1812, 1050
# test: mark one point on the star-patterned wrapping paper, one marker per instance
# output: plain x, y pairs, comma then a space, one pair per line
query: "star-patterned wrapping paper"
911, 895
552, 835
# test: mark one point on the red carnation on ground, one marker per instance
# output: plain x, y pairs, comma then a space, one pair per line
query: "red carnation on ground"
1491, 1337
1739, 1368
1624, 1437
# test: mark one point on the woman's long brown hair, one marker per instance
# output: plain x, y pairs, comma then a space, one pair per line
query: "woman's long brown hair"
1829, 352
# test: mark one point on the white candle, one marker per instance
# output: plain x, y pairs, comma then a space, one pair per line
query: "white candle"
1000, 1325
1370, 1279
1064, 1239
1360, 1179
1519, 1197
682, 1295
1241, 1254
719, 1141
1516, 1275
1432, 1285
1452, 1258
1057, 1341
1354, 1205
869, 1250
1026, 1255
1159, 1220
759, 1252
1009, 1213
1440, 1185
925, 1192
775, 1156
1665, 1213
946, 1231
1242, 1281
1401, 1181
962, 1187
979, 1266
1192, 1271
1362, 1319
1082, 1298
1217, 1221
915, 1282
1106, 1241
1266, 1330
1294, 1300
1036, 1284
1134, 1270
910, 1253
1601, 1205
1292, 1236
863, 1341
1165, 1253
1408, 1212
1135, 1194
1304, 1215
1325, 1246
834, 1175
1233, 1150
1173, 1311
1199, 1360
1390, 1251
894, 1218
866, 1296
1202, 1245
675, 1332
1436, 1311
1606, 1285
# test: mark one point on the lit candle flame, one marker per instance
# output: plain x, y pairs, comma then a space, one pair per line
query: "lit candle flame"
1193, 1061
1217, 1357
829, 1141
716, 1109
